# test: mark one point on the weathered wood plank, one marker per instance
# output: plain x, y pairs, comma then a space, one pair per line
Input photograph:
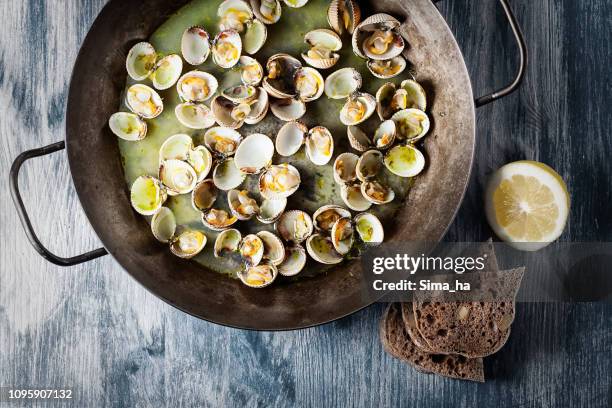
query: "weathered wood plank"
94, 329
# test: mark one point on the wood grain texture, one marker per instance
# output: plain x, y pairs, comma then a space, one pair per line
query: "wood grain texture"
94, 329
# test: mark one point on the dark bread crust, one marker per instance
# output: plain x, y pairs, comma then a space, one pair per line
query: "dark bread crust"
396, 341
411, 327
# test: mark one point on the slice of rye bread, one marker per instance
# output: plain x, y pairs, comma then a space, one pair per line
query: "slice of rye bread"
472, 329
411, 328
397, 342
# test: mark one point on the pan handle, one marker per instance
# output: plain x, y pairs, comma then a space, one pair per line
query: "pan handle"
25, 219
523, 58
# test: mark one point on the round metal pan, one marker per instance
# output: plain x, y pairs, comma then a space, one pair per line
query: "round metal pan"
429, 210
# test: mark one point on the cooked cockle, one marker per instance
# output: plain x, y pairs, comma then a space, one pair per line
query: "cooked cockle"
369, 228
294, 226
274, 250
258, 276
369, 165
144, 101
201, 160
345, 168
196, 86
412, 124
271, 210
163, 225
204, 195
188, 244
321, 249
279, 181
358, 139
195, 45
384, 135
226, 175
140, 61
254, 153
295, 3
390, 100
324, 218
309, 84
251, 250
357, 109
268, 11
324, 45
175, 147
251, 71
226, 49
218, 220
294, 262
167, 72
376, 192
241, 205
288, 109
318, 140
343, 235
222, 141
405, 161
178, 177
387, 68
128, 126
194, 115
147, 195
255, 36
234, 113
343, 15
378, 38
342, 83
227, 241
234, 15
353, 197
281, 71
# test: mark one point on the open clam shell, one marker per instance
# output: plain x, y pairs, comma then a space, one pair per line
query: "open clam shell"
222, 141
176, 147
240, 93
345, 167
227, 176
343, 15
279, 181
271, 210
321, 249
167, 71
358, 109
358, 139
384, 137
353, 197
229, 114
405, 161
369, 228
290, 138
324, 45
178, 177
147, 195
242, 205
376, 192
251, 250
309, 84
325, 217
188, 244
218, 220
342, 83
258, 107
140, 61
415, 94
281, 70
254, 153
258, 276
319, 145
386, 102
369, 165
412, 124
389, 68
234, 15
204, 195
268, 11
294, 262
163, 225
295, 226
288, 109
196, 86
128, 126
343, 235
274, 250
194, 115
251, 71
227, 241
144, 101
295, 3
227, 48
255, 37
377, 38
201, 160
195, 45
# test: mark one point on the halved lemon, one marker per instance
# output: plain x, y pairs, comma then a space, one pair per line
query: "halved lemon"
527, 204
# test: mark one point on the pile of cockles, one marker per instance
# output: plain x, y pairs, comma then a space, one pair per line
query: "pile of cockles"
227, 156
